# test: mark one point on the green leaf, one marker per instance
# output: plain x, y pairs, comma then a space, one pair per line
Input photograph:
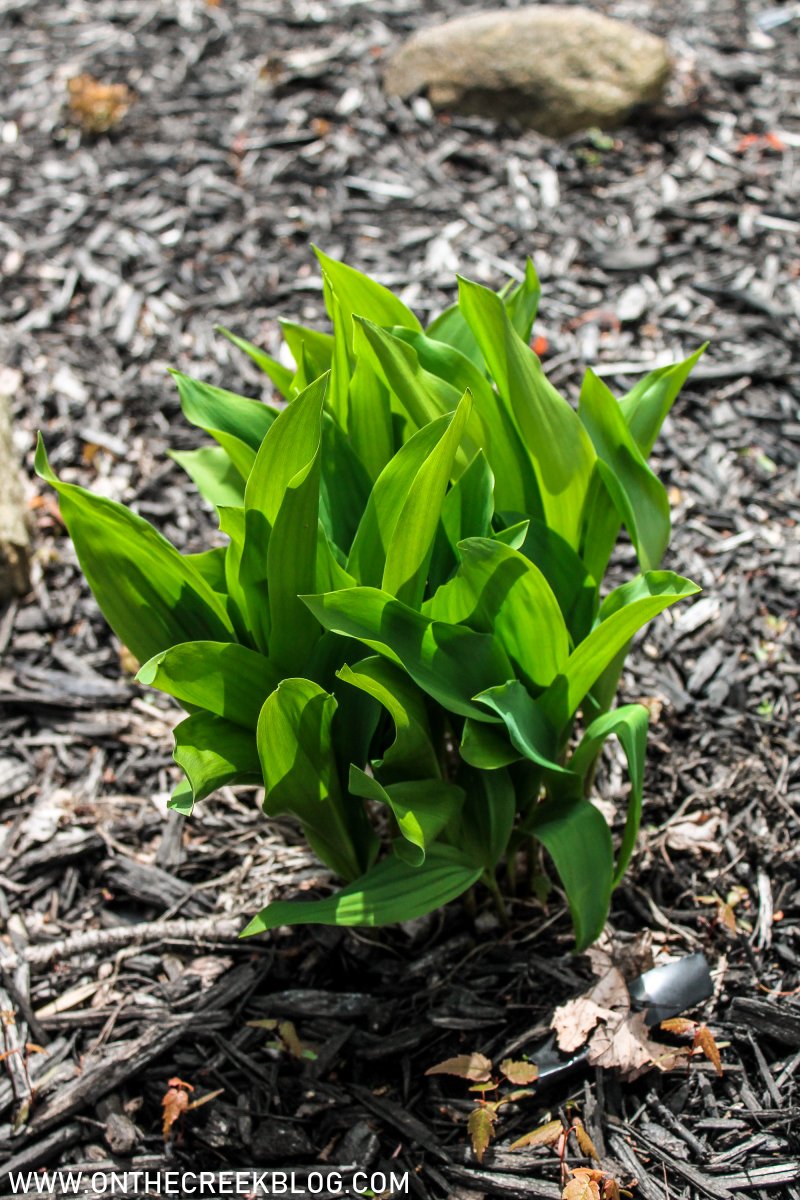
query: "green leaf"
486, 821
449, 662
292, 569
562, 454
151, 596
601, 526
389, 892
213, 474
646, 405
487, 746
211, 565
450, 328
469, 505
338, 398
513, 535
411, 755
573, 586
284, 480
421, 807
528, 726
370, 419
422, 396
345, 485
311, 346
466, 512
636, 492
578, 840
182, 799
629, 723
619, 620
491, 426
522, 302
214, 753
291, 445
223, 678
295, 746
232, 524
239, 425
409, 551
498, 591
280, 375
330, 573
388, 499
363, 297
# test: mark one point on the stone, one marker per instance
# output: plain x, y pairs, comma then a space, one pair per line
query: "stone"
553, 68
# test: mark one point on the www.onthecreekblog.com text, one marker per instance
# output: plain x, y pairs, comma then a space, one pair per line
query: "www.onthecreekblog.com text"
207, 1184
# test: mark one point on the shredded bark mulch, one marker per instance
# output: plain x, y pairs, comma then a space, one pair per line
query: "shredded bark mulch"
250, 129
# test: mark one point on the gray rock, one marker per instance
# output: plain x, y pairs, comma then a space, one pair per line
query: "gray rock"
552, 68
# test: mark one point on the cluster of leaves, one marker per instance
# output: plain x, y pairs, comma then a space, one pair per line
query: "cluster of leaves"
405, 638
520, 1074
477, 1069
579, 1183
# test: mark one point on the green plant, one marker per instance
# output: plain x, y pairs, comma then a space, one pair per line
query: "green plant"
405, 638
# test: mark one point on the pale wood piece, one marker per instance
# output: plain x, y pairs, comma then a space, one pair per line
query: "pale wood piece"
15, 577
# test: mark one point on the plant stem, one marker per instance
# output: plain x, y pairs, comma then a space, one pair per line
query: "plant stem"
500, 904
511, 871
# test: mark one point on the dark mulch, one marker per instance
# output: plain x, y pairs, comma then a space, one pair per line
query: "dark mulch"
258, 127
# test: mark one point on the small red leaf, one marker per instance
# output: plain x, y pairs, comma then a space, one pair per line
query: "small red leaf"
175, 1104
704, 1040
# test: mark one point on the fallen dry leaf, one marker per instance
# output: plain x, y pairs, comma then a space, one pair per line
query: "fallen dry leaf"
97, 106
575, 1020
208, 968
602, 1020
694, 835
626, 1046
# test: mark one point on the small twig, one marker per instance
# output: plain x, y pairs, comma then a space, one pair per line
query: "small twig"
197, 929
13, 1051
